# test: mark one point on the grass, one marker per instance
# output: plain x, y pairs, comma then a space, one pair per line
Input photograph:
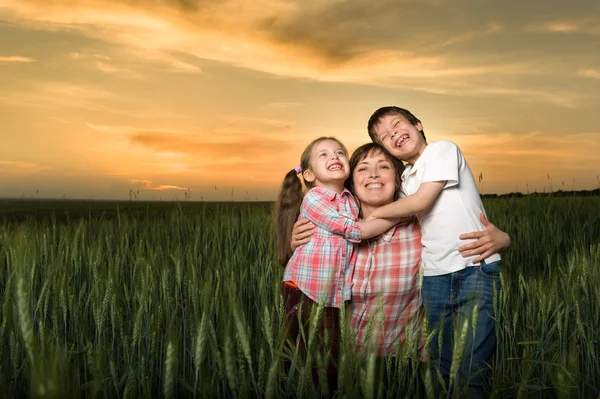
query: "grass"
182, 300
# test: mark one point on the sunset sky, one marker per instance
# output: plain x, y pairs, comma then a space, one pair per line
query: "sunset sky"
98, 97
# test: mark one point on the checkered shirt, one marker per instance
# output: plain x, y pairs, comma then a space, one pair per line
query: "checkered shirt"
322, 268
386, 294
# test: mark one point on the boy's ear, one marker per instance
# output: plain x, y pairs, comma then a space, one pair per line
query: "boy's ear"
308, 175
419, 126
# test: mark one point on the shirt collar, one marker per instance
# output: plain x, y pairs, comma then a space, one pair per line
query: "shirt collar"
388, 235
412, 169
330, 194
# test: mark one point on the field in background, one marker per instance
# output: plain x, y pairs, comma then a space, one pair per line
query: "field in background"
162, 299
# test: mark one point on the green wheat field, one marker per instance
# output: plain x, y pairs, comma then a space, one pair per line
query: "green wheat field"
104, 300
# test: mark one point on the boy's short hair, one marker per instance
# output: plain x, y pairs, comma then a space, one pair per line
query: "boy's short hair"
390, 110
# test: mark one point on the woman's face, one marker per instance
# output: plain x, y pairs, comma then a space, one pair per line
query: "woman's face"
374, 180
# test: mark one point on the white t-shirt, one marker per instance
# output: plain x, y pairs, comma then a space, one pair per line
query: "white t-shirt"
455, 211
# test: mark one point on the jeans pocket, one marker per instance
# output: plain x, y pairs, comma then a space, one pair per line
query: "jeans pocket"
490, 270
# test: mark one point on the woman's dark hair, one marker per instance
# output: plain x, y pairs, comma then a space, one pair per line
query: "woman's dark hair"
373, 148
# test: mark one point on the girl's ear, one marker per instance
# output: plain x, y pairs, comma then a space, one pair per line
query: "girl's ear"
419, 126
308, 175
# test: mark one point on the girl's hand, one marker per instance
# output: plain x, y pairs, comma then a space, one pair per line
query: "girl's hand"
488, 242
301, 233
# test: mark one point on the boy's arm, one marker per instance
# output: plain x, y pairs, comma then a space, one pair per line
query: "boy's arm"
412, 204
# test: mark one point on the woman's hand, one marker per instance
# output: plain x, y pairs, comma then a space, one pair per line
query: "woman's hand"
488, 242
301, 233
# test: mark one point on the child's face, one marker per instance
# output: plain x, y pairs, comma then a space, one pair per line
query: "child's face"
400, 137
329, 166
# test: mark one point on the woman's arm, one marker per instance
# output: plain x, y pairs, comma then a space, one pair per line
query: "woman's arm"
301, 233
488, 242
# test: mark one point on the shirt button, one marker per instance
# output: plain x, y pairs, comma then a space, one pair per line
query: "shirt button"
343, 255
337, 209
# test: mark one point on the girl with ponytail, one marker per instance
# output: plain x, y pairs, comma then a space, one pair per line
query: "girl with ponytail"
320, 272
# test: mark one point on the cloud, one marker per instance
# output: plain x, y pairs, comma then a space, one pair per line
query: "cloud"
56, 94
238, 148
349, 41
561, 99
586, 26
104, 67
235, 149
508, 159
115, 130
148, 185
227, 129
19, 168
15, 59
590, 73
282, 105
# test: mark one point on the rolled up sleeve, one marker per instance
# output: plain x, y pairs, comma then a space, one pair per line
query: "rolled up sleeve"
324, 213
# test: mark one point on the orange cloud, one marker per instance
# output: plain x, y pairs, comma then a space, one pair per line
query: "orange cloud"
15, 59
588, 26
236, 150
148, 185
508, 158
276, 37
17, 168
590, 73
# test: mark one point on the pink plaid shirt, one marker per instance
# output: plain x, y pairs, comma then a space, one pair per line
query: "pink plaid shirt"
322, 268
386, 297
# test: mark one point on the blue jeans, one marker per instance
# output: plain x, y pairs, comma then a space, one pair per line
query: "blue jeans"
449, 300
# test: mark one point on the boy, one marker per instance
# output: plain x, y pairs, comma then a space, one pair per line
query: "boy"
438, 187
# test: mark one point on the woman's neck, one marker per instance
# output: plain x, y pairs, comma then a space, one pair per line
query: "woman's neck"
366, 210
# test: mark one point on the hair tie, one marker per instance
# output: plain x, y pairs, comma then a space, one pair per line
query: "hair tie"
298, 169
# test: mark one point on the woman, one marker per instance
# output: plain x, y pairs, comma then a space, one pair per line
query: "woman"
385, 296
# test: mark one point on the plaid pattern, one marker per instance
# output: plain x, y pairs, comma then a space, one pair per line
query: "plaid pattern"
322, 268
385, 296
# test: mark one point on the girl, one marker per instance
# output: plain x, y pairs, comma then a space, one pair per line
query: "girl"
321, 271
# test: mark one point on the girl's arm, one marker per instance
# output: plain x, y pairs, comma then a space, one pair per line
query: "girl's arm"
373, 228
324, 214
304, 229
489, 241
412, 204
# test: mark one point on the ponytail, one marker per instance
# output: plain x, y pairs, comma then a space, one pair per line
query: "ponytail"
287, 210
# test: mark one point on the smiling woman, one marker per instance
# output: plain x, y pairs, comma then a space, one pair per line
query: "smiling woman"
386, 302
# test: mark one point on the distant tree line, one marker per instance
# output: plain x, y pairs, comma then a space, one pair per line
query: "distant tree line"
559, 193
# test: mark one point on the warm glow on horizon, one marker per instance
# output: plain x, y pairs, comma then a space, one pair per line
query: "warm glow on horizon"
173, 98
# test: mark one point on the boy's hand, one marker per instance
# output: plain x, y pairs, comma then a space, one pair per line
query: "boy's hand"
301, 233
488, 242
